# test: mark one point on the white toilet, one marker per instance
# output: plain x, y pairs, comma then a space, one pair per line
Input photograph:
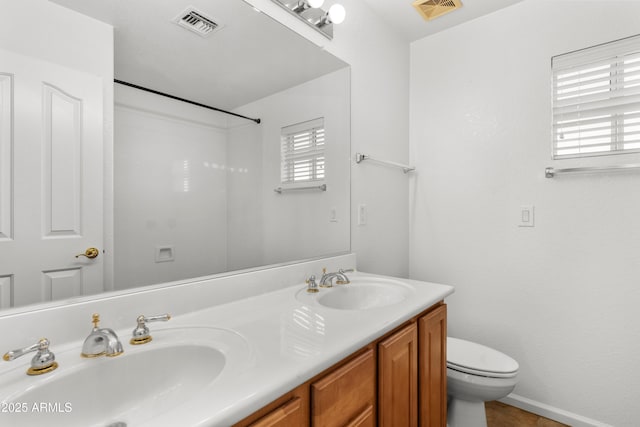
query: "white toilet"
475, 374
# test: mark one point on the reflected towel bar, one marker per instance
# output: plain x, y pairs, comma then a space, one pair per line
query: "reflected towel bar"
406, 169
552, 172
322, 187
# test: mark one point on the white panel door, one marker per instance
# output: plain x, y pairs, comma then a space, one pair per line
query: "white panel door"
51, 181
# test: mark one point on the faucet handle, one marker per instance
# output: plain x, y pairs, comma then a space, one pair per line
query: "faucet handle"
342, 277
312, 286
141, 332
95, 319
44, 361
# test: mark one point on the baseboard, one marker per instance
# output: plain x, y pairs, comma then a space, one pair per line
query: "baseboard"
553, 413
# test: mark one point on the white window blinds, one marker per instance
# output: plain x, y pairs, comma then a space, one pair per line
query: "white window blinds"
596, 100
303, 152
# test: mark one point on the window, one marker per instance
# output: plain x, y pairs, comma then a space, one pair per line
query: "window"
303, 156
596, 100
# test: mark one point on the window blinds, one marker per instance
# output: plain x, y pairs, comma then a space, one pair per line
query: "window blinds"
303, 152
596, 100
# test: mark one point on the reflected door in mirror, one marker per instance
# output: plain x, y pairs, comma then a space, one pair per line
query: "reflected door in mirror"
51, 181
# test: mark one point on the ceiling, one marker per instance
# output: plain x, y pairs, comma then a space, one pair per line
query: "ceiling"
249, 57
407, 22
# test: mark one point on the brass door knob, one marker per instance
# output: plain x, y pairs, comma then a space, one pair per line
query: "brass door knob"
89, 253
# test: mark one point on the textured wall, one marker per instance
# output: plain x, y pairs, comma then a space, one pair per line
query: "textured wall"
560, 297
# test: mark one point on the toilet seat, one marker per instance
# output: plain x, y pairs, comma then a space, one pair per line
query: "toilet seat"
476, 359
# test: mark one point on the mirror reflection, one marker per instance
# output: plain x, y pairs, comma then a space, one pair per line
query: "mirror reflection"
193, 189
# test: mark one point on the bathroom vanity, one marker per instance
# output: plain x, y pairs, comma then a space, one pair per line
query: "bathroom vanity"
363, 353
398, 379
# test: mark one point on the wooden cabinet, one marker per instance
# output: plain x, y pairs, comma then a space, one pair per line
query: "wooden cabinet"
432, 330
367, 418
398, 379
290, 410
346, 396
289, 414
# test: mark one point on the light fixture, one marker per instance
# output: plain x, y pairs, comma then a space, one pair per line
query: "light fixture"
335, 15
302, 5
311, 12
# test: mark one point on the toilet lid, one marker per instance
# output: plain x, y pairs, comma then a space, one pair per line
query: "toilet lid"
476, 359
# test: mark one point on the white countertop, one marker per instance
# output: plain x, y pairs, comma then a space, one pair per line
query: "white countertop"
291, 342
283, 338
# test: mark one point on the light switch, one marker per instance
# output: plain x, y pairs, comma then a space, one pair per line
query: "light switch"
526, 216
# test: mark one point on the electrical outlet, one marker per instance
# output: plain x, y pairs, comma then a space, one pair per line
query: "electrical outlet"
362, 214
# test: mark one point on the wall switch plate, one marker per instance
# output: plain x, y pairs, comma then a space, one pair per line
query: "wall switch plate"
526, 216
362, 214
333, 214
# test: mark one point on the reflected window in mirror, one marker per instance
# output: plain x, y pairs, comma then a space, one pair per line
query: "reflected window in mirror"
303, 152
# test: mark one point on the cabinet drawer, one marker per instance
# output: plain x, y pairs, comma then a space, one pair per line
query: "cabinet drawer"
288, 415
345, 394
289, 410
366, 419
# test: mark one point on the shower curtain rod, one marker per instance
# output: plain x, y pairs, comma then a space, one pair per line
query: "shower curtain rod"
184, 100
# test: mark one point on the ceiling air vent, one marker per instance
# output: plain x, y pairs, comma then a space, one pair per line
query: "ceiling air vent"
196, 21
431, 9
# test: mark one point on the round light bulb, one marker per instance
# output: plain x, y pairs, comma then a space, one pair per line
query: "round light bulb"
315, 3
337, 13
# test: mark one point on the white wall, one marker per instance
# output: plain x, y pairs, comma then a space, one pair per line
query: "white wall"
244, 196
379, 60
232, 172
63, 37
170, 189
562, 297
286, 218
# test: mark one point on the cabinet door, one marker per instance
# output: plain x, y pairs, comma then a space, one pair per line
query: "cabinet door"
288, 415
398, 379
346, 395
433, 368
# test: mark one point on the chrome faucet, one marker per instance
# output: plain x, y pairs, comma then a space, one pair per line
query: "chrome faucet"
326, 281
44, 361
101, 342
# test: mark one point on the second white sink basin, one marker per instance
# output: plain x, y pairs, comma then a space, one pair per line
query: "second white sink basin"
144, 383
362, 293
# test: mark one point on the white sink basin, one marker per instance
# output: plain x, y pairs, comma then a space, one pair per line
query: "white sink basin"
146, 382
362, 293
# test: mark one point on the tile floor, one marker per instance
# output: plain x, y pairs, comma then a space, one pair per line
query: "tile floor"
502, 415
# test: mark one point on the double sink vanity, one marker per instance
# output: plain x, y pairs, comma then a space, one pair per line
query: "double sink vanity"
350, 354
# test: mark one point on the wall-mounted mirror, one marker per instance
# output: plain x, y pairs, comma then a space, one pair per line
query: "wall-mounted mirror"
193, 189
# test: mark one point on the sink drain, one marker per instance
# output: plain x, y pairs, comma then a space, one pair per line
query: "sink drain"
117, 424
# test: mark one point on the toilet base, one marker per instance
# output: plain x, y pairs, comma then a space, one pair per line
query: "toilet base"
462, 413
